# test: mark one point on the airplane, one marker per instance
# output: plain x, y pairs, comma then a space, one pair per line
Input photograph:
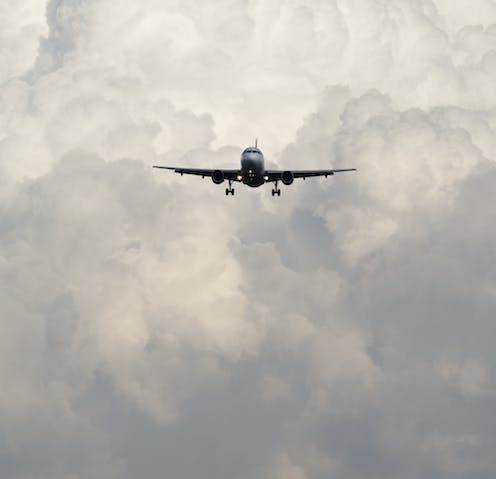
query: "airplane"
252, 172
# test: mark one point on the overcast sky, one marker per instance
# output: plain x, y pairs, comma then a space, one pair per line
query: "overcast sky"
153, 327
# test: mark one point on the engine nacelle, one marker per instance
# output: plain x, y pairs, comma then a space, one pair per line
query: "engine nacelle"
217, 177
287, 177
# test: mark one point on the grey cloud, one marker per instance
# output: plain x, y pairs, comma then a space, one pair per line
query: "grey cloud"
416, 301
151, 327
68, 21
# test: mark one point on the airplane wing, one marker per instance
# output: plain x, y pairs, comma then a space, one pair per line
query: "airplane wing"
227, 174
278, 174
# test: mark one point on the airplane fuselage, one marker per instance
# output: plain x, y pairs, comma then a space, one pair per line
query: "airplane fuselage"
253, 167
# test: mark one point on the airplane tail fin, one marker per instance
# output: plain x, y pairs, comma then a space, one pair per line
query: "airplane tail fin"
256, 142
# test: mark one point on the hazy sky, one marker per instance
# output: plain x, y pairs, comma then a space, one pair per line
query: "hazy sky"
152, 327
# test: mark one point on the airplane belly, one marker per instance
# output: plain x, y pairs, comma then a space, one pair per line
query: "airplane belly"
254, 182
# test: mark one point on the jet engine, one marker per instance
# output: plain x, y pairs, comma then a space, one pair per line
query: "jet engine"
217, 177
287, 177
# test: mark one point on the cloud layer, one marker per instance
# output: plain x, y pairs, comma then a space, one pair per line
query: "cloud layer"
151, 327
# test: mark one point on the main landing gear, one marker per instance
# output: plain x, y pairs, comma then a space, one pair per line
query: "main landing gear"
276, 191
230, 190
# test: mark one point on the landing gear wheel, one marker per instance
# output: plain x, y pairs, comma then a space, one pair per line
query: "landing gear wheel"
230, 190
273, 192
278, 192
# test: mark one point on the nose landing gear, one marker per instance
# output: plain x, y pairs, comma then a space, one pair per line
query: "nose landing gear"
276, 191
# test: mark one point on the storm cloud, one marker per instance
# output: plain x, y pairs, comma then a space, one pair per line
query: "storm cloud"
152, 327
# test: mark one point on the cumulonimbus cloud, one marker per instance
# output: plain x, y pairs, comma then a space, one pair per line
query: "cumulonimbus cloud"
151, 327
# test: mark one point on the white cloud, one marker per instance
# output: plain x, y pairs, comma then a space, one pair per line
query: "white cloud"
284, 468
21, 26
152, 326
469, 376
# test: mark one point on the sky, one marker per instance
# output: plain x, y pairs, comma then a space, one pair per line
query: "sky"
153, 327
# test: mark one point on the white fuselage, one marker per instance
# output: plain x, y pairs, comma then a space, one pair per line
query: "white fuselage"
253, 167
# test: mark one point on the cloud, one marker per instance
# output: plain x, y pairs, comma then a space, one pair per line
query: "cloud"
152, 327
20, 29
